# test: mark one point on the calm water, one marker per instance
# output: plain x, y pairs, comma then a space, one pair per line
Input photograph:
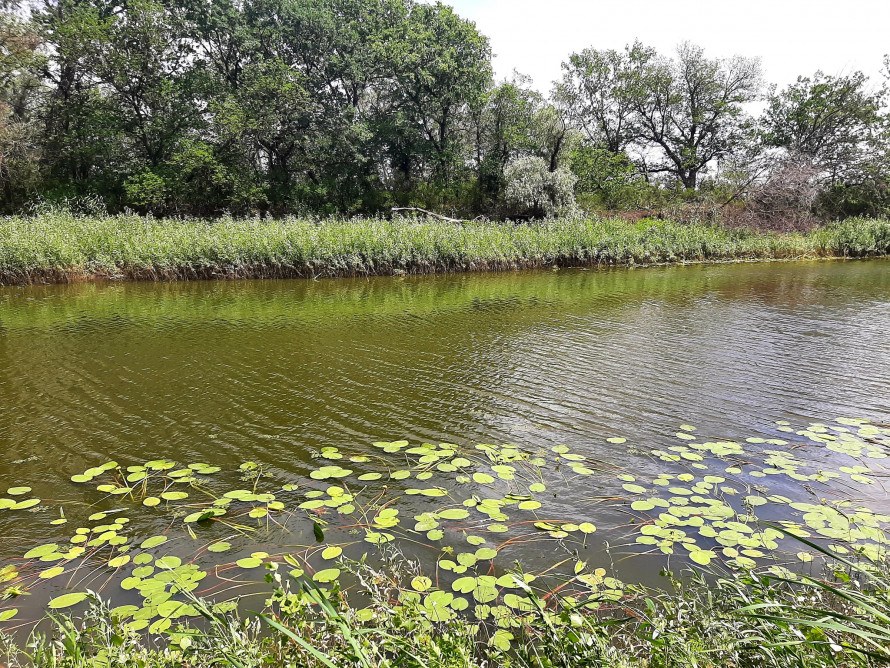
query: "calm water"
272, 370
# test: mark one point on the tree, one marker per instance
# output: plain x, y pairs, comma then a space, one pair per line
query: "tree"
611, 178
503, 130
331, 101
598, 93
832, 120
19, 99
691, 109
80, 151
444, 70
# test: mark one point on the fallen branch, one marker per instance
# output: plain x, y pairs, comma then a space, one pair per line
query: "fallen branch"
429, 213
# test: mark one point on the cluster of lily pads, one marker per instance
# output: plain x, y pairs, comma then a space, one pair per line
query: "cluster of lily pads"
466, 513
699, 507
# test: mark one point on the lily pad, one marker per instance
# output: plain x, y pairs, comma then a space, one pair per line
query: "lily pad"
327, 575
66, 601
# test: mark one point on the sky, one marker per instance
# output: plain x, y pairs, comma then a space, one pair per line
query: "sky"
792, 37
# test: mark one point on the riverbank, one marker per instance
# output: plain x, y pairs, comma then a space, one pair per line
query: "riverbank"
748, 620
61, 247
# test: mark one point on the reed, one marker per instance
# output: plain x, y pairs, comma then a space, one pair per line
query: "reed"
64, 247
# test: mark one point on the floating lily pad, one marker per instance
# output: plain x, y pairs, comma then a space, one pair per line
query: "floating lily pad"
327, 575
155, 541
66, 601
332, 552
41, 551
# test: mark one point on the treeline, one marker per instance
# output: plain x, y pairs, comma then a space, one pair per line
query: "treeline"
354, 106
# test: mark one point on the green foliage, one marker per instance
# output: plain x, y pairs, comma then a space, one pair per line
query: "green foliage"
266, 105
505, 129
147, 190
536, 191
692, 108
610, 178
19, 129
870, 197
747, 620
750, 610
837, 123
356, 106
831, 120
600, 94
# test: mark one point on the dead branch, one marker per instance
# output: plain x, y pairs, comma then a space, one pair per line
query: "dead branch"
429, 213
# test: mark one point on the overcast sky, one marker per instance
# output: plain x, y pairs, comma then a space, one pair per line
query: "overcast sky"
792, 37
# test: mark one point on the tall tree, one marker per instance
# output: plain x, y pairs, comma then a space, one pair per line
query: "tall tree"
832, 120
599, 95
79, 141
504, 129
444, 70
691, 109
19, 99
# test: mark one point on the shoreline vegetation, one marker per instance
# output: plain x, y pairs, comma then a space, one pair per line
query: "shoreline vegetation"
64, 247
748, 620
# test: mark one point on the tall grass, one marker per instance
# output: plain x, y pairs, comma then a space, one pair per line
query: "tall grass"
738, 620
60, 246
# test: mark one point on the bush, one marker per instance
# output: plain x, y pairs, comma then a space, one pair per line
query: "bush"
785, 200
870, 198
533, 191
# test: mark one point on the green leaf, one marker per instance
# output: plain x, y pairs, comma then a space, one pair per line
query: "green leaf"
332, 552
327, 575
41, 551
52, 572
66, 601
154, 541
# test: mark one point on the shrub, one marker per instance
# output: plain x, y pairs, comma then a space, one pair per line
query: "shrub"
535, 192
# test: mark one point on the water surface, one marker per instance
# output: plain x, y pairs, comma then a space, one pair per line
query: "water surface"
273, 371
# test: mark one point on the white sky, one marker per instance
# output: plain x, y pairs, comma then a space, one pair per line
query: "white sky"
792, 37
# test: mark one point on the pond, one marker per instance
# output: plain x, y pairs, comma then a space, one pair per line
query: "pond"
607, 399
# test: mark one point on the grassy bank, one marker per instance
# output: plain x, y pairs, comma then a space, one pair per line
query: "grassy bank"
62, 247
741, 620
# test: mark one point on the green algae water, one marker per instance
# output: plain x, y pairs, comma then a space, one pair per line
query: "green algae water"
592, 426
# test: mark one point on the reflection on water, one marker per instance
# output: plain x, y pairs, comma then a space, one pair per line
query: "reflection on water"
271, 370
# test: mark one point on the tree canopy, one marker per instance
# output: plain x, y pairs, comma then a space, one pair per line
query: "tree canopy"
356, 106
